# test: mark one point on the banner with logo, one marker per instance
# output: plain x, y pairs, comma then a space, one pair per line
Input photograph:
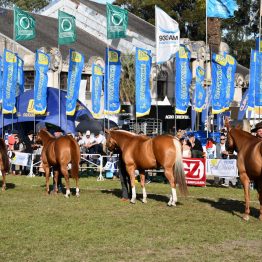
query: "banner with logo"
20, 76
1, 79
195, 171
66, 28
183, 79
76, 65
193, 110
222, 167
258, 86
219, 83
20, 159
143, 69
243, 106
117, 21
221, 8
206, 106
200, 90
40, 85
24, 25
97, 83
252, 79
9, 81
112, 81
230, 88
167, 36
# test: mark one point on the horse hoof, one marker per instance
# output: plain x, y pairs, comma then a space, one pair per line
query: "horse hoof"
67, 196
132, 201
77, 195
3, 189
171, 204
260, 217
246, 217
144, 201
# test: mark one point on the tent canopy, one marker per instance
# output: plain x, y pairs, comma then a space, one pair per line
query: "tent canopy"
24, 108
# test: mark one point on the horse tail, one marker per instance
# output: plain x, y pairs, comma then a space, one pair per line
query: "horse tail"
75, 157
4, 159
179, 169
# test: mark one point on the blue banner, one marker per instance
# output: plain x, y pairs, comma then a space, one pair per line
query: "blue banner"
1, 78
97, 82
219, 83
41, 68
252, 79
183, 79
258, 86
76, 65
20, 76
257, 43
193, 111
200, 90
112, 81
243, 106
221, 8
205, 110
143, 69
9, 81
230, 88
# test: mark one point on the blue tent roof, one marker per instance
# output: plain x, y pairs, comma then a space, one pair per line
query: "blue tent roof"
24, 106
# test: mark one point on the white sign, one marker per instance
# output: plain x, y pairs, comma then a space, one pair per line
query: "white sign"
20, 159
222, 167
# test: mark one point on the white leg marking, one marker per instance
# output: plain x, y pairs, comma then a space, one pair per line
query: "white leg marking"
67, 193
77, 192
133, 199
144, 195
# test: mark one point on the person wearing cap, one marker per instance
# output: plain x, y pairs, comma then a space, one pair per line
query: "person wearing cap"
197, 149
258, 130
87, 142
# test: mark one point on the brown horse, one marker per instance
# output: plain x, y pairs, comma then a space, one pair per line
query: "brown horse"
141, 153
4, 162
249, 162
58, 153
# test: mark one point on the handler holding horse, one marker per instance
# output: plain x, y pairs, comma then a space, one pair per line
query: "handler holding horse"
4, 162
58, 153
141, 153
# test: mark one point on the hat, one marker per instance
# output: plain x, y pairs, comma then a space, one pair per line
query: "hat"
191, 135
88, 133
15, 132
257, 126
31, 132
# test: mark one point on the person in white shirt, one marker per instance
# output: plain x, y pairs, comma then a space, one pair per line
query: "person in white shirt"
97, 145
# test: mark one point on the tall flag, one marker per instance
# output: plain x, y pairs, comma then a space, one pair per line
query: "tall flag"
97, 83
258, 86
42, 61
243, 106
112, 81
1, 82
20, 76
143, 69
9, 81
66, 28
200, 90
230, 88
219, 83
193, 111
205, 110
76, 65
252, 79
221, 8
183, 79
117, 21
24, 25
167, 36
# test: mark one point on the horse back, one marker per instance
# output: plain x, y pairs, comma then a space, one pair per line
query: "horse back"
4, 160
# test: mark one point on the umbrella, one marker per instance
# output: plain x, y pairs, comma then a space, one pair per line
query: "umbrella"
104, 122
91, 124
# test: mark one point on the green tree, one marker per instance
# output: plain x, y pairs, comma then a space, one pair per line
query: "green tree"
27, 5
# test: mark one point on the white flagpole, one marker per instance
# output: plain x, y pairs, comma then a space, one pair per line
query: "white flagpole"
207, 88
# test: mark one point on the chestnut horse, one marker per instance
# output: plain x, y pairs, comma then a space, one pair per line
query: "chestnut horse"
4, 162
249, 162
142, 152
58, 153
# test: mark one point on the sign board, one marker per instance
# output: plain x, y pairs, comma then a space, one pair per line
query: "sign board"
222, 167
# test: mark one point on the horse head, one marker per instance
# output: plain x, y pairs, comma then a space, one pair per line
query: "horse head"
111, 143
42, 136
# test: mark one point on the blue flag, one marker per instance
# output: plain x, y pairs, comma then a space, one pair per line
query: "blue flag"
112, 81
200, 90
143, 69
258, 86
183, 79
1, 82
221, 8
41, 68
219, 83
193, 111
252, 79
97, 82
243, 106
76, 65
9, 81
230, 88
20, 76
206, 106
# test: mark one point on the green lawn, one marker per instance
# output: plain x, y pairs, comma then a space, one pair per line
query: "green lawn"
205, 226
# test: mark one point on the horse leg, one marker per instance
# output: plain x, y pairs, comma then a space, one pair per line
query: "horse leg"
74, 173
47, 174
142, 182
3, 182
245, 182
131, 171
55, 186
64, 171
259, 190
171, 179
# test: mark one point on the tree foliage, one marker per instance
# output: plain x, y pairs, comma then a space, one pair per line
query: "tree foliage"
27, 5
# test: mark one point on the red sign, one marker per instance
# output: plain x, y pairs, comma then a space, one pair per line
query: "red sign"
195, 171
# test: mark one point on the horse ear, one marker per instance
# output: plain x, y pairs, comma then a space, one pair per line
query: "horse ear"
227, 123
107, 131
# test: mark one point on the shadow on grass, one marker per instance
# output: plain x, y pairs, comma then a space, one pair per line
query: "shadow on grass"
231, 206
8, 185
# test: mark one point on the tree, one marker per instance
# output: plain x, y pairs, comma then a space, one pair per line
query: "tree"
27, 5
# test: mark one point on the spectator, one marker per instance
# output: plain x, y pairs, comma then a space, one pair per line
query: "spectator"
197, 149
258, 130
210, 148
186, 147
88, 142
17, 147
97, 145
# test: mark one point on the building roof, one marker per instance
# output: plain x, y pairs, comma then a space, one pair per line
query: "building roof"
47, 36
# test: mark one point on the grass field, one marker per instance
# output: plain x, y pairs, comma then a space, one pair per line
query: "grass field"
205, 226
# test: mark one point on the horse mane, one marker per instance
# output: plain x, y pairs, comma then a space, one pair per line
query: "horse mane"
4, 156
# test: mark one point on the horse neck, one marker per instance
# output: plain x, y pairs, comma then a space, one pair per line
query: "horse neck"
121, 138
45, 136
240, 137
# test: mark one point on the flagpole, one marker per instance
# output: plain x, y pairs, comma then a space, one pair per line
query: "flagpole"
207, 87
